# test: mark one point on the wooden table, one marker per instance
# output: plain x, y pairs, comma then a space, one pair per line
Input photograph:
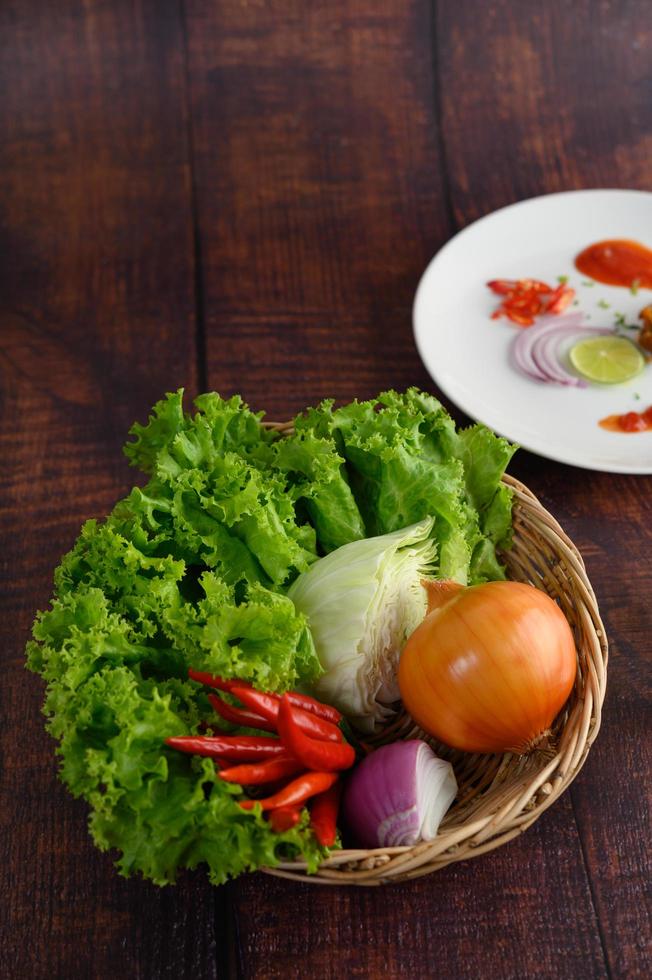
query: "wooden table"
241, 196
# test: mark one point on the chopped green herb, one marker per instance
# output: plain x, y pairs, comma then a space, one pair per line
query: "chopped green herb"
562, 280
588, 282
602, 303
637, 396
576, 302
620, 321
635, 287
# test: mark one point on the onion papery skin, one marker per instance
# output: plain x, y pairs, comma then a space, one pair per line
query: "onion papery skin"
489, 669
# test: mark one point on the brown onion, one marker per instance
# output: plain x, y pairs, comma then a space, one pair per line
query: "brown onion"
489, 667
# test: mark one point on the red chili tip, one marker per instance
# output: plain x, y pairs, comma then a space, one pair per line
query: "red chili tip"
284, 818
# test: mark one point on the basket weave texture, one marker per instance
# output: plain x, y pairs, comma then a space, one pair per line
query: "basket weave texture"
499, 796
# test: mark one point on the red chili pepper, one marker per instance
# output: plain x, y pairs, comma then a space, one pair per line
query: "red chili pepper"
296, 792
212, 680
268, 705
258, 773
520, 319
526, 298
559, 299
243, 748
238, 716
326, 711
314, 754
284, 818
323, 815
535, 285
502, 286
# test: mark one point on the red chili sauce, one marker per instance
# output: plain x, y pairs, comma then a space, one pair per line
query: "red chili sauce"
629, 422
617, 262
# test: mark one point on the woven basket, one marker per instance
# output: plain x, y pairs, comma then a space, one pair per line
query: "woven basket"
499, 796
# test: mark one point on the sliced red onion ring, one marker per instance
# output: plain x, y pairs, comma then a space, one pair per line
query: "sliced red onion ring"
544, 355
535, 351
398, 795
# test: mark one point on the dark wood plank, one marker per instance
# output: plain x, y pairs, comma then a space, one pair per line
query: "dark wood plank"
555, 99
504, 915
319, 194
320, 200
96, 321
556, 104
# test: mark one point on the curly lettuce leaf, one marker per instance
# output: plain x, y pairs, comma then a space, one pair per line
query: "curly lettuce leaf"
406, 462
318, 478
193, 569
212, 481
221, 425
186, 571
161, 809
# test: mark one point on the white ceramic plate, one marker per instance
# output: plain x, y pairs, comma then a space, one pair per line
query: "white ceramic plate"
467, 354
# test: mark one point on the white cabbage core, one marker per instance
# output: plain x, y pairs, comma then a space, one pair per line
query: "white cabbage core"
362, 602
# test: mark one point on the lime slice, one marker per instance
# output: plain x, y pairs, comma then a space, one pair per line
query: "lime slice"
609, 360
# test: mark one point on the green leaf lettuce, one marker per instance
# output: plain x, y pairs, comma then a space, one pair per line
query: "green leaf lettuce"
193, 569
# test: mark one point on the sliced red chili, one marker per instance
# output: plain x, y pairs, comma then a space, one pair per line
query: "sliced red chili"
268, 705
323, 814
239, 716
502, 286
535, 284
559, 299
242, 748
526, 299
313, 753
296, 792
259, 773
284, 818
523, 320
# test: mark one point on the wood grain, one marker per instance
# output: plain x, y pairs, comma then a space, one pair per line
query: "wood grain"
555, 99
556, 106
250, 190
481, 918
96, 322
319, 190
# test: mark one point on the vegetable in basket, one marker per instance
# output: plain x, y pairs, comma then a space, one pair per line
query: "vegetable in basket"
362, 602
490, 666
398, 795
307, 746
193, 569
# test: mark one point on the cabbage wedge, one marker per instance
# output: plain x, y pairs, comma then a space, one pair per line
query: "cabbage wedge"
362, 602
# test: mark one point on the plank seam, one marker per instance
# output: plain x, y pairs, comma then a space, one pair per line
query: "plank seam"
197, 258
438, 114
589, 880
